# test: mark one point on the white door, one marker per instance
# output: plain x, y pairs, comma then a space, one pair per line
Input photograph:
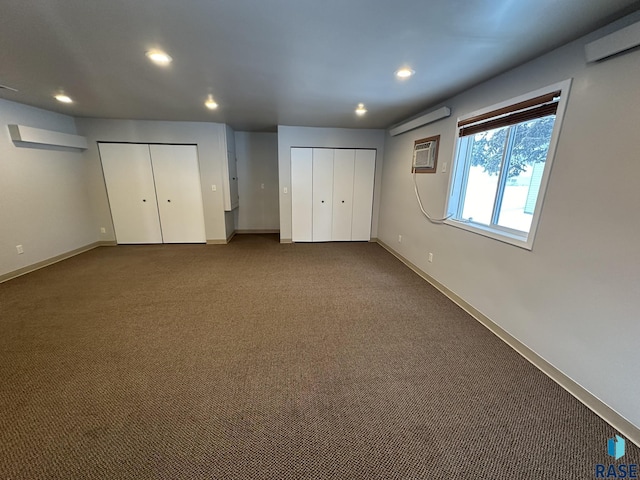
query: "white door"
322, 194
229, 171
301, 194
232, 161
177, 179
132, 196
364, 177
343, 164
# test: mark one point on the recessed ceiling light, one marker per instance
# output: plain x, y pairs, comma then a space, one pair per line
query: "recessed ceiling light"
404, 72
361, 110
210, 103
159, 57
63, 98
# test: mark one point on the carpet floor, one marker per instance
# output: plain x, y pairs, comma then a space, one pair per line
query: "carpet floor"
256, 360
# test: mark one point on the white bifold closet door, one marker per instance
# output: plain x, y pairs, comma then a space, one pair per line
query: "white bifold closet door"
322, 194
132, 193
363, 180
331, 194
343, 169
177, 179
154, 192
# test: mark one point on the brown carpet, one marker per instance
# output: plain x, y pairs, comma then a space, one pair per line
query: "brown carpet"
257, 360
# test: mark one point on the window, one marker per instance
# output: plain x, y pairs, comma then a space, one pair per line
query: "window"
502, 164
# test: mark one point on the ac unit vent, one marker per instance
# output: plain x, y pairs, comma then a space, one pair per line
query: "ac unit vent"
423, 155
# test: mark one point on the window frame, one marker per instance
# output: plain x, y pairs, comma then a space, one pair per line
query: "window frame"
458, 177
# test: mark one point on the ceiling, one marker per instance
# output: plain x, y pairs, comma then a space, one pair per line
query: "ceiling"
270, 62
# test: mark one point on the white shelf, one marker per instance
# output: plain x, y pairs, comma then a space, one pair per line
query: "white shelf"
614, 43
20, 133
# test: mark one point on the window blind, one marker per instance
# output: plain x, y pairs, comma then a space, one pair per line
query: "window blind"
538, 107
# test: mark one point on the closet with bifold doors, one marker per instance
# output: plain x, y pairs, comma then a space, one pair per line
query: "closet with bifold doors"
154, 192
332, 194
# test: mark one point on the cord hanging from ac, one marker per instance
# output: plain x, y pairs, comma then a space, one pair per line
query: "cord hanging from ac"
437, 221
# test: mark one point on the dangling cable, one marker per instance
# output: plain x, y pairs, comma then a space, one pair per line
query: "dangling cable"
437, 221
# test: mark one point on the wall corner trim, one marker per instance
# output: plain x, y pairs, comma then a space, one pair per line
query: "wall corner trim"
593, 403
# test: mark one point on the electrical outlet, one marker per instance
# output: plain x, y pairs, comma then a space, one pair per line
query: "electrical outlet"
400, 238
262, 186
286, 190
430, 257
19, 249
444, 167
103, 230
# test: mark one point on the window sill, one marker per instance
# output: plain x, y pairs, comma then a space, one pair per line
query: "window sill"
521, 241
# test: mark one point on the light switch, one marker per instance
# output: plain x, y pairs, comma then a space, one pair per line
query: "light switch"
213, 188
286, 190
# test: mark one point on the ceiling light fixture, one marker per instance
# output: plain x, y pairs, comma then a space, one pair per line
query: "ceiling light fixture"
159, 57
404, 72
210, 103
361, 110
63, 98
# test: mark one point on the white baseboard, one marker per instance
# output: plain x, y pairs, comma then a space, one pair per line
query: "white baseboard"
218, 241
593, 403
257, 231
50, 261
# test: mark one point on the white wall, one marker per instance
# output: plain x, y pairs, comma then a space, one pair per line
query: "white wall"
44, 202
574, 299
329, 138
209, 137
258, 181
